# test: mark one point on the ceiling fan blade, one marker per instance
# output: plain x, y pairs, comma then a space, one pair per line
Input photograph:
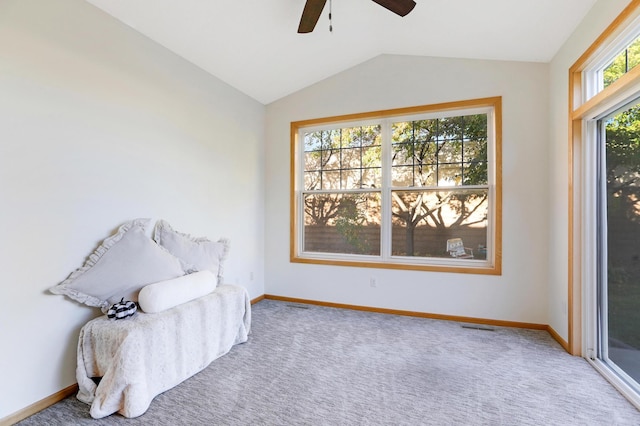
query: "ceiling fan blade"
310, 15
399, 7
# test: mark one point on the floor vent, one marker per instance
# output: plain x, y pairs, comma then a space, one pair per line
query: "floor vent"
479, 327
298, 306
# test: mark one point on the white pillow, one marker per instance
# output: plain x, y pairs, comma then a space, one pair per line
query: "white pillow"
120, 267
200, 252
163, 295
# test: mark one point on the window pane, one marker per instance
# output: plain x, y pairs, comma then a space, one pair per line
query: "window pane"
402, 132
312, 160
426, 175
371, 135
409, 176
451, 129
340, 156
351, 179
350, 137
361, 136
331, 180
474, 150
425, 151
351, 158
450, 152
414, 141
615, 69
425, 130
312, 180
372, 156
623, 63
475, 174
402, 154
423, 221
402, 176
331, 159
312, 141
450, 175
342, 223
634, 54
372, 178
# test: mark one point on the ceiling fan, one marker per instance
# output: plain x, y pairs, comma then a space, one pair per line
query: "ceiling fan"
313, 9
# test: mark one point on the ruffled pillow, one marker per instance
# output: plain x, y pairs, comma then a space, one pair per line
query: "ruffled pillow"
200, 252
164, 295
120, 267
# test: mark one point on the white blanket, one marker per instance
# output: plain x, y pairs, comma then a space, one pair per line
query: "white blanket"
147, 354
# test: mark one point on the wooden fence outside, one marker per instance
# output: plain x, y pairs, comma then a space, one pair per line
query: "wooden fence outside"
426, 241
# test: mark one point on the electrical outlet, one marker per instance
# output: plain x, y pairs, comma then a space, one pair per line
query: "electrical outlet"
372, 282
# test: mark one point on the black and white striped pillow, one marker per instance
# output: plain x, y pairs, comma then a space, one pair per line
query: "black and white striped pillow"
122, 309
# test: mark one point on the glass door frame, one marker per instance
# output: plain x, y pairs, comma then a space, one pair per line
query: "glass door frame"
602, 264
594, 247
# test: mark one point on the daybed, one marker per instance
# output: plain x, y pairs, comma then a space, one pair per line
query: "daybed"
147, 354
185, 317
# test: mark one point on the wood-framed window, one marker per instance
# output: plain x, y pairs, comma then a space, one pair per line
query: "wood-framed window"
411, 188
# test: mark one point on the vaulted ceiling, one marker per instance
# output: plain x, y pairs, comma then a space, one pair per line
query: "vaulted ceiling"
253, 45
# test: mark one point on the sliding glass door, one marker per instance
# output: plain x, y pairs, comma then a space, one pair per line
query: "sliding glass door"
618, 241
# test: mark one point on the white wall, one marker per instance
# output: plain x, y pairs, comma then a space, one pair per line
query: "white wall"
99, 125
384, 82
597, 20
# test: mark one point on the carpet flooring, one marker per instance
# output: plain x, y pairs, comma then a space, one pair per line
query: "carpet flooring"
311, 365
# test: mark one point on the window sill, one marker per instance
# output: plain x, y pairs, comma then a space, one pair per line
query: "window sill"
478, 267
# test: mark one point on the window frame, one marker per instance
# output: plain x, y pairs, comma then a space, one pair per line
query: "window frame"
492, 266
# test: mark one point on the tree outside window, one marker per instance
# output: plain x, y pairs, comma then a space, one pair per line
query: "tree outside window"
395, 189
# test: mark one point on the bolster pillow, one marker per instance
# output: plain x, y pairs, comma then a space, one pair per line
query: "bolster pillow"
163, 295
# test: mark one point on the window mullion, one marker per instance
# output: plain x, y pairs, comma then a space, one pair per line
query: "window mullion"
492, 181
300, 191
386, 223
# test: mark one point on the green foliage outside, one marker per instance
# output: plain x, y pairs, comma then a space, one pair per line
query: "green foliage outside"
622, 63
623, 227
350, 222
623, 211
